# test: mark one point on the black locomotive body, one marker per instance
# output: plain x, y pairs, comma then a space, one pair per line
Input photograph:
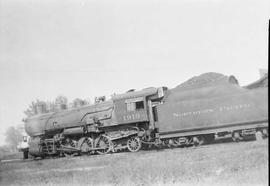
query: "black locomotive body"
203, 108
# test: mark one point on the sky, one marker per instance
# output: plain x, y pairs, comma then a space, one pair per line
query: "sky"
87, 48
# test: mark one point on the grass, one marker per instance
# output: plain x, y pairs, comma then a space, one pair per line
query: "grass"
10, 155
244, 163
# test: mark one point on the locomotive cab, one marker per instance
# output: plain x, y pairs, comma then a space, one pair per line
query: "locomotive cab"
136, 107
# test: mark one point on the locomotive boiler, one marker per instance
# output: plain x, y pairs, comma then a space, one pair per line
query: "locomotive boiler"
199, 110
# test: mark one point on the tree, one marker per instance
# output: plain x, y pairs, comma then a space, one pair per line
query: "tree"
13, 137
79, 102
61, 100
100, 99
41, 107
36, 107
52, 107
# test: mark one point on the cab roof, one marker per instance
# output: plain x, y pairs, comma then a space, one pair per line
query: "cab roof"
133, 94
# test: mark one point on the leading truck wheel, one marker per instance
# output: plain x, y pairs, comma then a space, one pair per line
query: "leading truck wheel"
134, 144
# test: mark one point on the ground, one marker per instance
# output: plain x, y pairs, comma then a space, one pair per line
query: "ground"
243, 163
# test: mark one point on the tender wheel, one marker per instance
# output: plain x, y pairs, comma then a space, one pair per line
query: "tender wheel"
198, 140
259, 136
236, 136
265, 133
104, 143
134, 144
209, 139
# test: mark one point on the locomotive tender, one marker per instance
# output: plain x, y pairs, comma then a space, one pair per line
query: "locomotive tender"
199, 110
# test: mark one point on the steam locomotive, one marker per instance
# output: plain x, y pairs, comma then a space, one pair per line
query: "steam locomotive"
198, 111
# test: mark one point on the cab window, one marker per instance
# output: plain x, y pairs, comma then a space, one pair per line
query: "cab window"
131, 106
139, 105
134, 104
